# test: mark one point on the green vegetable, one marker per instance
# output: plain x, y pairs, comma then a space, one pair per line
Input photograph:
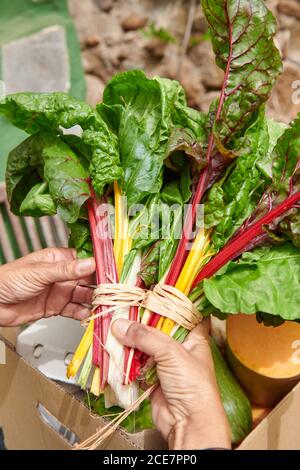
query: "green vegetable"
231, 200
80, 238
265, 280
136, 422
242, 39
35, 112
235, 402
46, 159
140, 111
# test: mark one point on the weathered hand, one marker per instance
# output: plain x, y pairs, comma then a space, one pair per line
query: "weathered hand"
186, 407
45, 283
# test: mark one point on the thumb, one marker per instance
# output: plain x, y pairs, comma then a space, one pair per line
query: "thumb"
61, 271
150, 341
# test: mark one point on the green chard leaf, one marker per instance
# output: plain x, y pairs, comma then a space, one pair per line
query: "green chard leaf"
285, 183
46, 112
232, 199
80, 238
265, 280
38, 202
35, 112
136, 422
46, 159
105, 160
189, 134
242, 39
150, 265
140, 112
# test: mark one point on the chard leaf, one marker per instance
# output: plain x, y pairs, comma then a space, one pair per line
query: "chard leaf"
169, 243
150, 265
23, 171
135, 422
140, 111
189, 134
143, 129
38, 202
66, 177
46, 159
286, 159
285, 182
80, 238
268, 320
35, 112
145, 224
275, 130
265, 280
46, 112
242, 39
105, 160
231, 200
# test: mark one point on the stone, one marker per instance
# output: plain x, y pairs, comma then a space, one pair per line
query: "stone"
286, 22
284, 104
210, 75
133, 22
293, 47
91, 61
123, 52
156, 48
188, 76
289, 8
38, 62
85, 13
109, 28
207, 99
91, 21
105, 5
95, 88
281, 40
92, 41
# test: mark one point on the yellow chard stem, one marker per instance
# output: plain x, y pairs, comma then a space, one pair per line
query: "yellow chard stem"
196, 259
81, 351
122, 242
95, 387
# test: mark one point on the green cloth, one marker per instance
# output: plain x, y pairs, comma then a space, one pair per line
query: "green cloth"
21, 18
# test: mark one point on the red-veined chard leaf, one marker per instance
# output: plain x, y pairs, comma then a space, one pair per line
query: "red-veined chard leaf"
242, 39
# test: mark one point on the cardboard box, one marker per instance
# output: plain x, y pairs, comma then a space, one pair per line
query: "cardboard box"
23, 389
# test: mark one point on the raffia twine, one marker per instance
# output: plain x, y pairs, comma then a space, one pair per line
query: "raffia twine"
164, 300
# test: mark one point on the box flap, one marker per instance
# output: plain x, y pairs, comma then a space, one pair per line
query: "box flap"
9, 336
23, 388
280, 430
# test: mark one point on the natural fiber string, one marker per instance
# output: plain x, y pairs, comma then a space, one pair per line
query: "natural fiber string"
93, 442
171, 303
165, 300
117, 296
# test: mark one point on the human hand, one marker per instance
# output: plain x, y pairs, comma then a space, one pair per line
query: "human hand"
186, 407
48, 282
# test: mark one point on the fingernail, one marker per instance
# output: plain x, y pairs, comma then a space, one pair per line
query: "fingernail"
85, 266
120, 327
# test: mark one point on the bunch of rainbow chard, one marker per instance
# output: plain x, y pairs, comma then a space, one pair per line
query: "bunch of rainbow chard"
143, 144
140, 146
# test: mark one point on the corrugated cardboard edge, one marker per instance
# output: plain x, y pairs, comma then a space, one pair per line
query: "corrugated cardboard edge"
22, 388
280, 429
